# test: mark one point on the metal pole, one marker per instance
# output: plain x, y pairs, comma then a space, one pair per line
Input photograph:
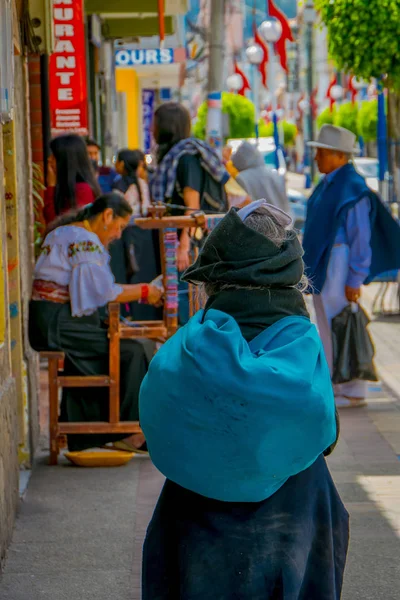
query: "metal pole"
256, 85
216, 74
271, 51
382, 140
310, 87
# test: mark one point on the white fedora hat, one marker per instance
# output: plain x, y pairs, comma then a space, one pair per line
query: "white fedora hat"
335, 138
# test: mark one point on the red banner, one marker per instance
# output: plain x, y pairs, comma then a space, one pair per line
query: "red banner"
67, 70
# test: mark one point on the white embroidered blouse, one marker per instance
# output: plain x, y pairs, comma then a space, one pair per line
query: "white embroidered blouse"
75, 258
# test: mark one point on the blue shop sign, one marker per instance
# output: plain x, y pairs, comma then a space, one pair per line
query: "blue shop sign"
135, 58
148, 101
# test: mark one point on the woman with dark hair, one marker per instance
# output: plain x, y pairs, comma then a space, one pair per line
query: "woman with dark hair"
189, 175
135, 257
238, 413
130, 165
71, 180
72, 282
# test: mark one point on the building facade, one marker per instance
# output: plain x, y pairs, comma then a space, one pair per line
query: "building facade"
18, 364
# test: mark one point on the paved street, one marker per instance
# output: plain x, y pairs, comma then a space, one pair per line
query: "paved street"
297, 182
79, 532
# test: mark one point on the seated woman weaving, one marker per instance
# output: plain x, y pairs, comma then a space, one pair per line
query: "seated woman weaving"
72, 281
249, 510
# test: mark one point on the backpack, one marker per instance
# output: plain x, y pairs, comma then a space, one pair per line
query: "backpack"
214, 197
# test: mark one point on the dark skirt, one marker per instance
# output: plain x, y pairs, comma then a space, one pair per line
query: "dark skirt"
135, 259
86, 346
291, 546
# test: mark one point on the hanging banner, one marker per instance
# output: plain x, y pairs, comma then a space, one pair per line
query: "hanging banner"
67, 70
148, 100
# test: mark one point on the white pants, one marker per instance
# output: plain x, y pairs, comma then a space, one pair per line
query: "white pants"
328, 305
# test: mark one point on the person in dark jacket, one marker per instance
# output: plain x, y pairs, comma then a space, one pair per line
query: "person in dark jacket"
350, 238
238, 411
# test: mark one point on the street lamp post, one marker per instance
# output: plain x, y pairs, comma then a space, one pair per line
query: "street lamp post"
382, 142
271, 31
359, 85
254, 55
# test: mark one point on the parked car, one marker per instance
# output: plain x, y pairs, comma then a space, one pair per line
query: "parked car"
298, 208
369, 169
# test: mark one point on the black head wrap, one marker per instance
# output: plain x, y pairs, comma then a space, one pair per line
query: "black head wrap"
263, 276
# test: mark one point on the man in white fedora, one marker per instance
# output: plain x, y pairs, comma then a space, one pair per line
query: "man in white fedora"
349, 239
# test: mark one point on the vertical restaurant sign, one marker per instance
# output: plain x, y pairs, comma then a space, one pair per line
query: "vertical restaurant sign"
67, 70
148, 99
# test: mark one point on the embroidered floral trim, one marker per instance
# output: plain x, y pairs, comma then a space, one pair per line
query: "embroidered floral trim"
86, 246
45, 250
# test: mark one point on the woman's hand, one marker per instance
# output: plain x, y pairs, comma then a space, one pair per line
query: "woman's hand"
155, 295
182, 257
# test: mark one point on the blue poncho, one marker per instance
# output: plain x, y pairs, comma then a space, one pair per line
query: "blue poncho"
327, 210
233, 420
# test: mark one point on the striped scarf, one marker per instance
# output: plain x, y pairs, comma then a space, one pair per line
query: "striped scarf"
163, 181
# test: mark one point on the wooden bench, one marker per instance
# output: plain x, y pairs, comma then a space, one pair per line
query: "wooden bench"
154, 330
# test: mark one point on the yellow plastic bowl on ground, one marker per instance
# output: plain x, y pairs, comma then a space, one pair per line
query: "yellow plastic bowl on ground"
105, 458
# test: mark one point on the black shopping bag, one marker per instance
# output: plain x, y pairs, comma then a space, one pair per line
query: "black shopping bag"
353, 349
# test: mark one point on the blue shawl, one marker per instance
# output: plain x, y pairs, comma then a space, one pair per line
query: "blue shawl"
327, 210
233, 420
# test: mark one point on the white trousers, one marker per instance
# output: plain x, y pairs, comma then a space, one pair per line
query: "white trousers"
328, 305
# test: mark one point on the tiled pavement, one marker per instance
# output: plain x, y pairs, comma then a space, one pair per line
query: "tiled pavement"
80, 532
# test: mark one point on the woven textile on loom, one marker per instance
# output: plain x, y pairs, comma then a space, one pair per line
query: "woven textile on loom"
171, 292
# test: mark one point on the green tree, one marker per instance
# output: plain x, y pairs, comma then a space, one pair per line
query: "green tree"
364, 39
367, 120
346, 116
241, 117
363, 36
326, 117
289, 131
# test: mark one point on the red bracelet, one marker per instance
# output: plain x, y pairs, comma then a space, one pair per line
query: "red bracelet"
144, 293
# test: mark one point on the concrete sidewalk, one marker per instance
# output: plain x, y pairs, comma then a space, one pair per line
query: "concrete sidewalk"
79, 532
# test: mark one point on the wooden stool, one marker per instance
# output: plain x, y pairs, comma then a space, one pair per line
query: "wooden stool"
58, 429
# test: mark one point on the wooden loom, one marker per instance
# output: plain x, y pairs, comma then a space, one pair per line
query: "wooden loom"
155, 330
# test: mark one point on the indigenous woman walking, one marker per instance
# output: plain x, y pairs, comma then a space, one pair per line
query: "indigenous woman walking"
238, 412
72, 282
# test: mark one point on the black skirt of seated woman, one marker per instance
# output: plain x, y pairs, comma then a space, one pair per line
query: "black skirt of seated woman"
85, 342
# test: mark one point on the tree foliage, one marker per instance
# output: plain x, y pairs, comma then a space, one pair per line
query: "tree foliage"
289, 131
346, 116
326, 117
367, 120
364, 36
241, 120
361, 121
241, 117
